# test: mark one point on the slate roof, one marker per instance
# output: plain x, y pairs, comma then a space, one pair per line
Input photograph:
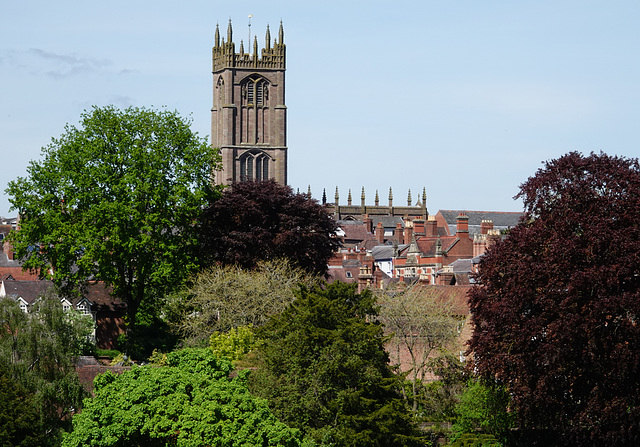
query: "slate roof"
97, 294
501, 219
385, 251
388, 222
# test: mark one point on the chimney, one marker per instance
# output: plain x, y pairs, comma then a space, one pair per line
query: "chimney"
380, 233
431, 227
368, 223
462, 224
408, 231
418, 227
485, 226
399, 233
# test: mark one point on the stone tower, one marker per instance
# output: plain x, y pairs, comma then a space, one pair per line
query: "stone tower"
249, 116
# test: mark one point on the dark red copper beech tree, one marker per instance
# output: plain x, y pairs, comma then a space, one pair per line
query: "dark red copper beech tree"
260, 221
557, 312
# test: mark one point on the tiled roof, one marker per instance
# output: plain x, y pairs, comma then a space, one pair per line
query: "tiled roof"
501, 219
97, 294
27, 290
456, 294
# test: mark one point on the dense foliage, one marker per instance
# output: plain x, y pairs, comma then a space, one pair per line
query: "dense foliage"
189, 402
557, 313
221, 298
324, 370
39, 385
116, 200
255, 221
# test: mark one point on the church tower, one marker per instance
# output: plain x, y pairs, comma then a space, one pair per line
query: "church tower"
249, 116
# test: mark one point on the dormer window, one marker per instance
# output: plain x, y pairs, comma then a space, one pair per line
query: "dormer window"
84, 308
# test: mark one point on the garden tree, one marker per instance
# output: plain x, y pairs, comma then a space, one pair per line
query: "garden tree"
483, 407
37, 354
422, 325
115, 200
190, 401
18, 415
233, 345
224, 297
556, 314
255, 221
324, 370
438, 399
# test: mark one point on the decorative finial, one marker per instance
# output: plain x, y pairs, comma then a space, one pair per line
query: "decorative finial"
255, 47
409, 198
324, 196
267, 39
390, 198
241, 48
281, 34
217, 37
309, 191
362, 197
229, 33
377, 199
349, 198
337, 196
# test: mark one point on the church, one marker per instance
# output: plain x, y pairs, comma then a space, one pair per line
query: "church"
249, 115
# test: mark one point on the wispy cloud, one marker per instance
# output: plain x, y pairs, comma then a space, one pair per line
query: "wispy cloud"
67, 65
40, 62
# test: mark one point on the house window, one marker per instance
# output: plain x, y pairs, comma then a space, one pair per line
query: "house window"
349, 275
84, 308
23, 307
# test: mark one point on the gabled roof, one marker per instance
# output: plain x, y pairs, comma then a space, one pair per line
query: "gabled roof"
97, 294
29, 291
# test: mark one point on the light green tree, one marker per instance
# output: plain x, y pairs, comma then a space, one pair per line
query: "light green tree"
116, 200
223, 297
189, 402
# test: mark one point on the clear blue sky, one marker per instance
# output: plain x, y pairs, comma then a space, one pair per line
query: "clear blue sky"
466, 98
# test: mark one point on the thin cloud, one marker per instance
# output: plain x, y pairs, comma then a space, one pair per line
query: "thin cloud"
39, 62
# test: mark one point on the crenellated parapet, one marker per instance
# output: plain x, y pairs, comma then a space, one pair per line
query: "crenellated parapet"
270, 57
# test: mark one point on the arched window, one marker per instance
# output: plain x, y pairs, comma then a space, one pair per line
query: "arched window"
254, 166
220, 87
255, 110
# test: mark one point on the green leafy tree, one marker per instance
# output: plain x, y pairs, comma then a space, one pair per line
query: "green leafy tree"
18, 415
189, 402
233, 345
259, 221
116, 200
223, 297
324, 370
483, 408
556, 314
38, 353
